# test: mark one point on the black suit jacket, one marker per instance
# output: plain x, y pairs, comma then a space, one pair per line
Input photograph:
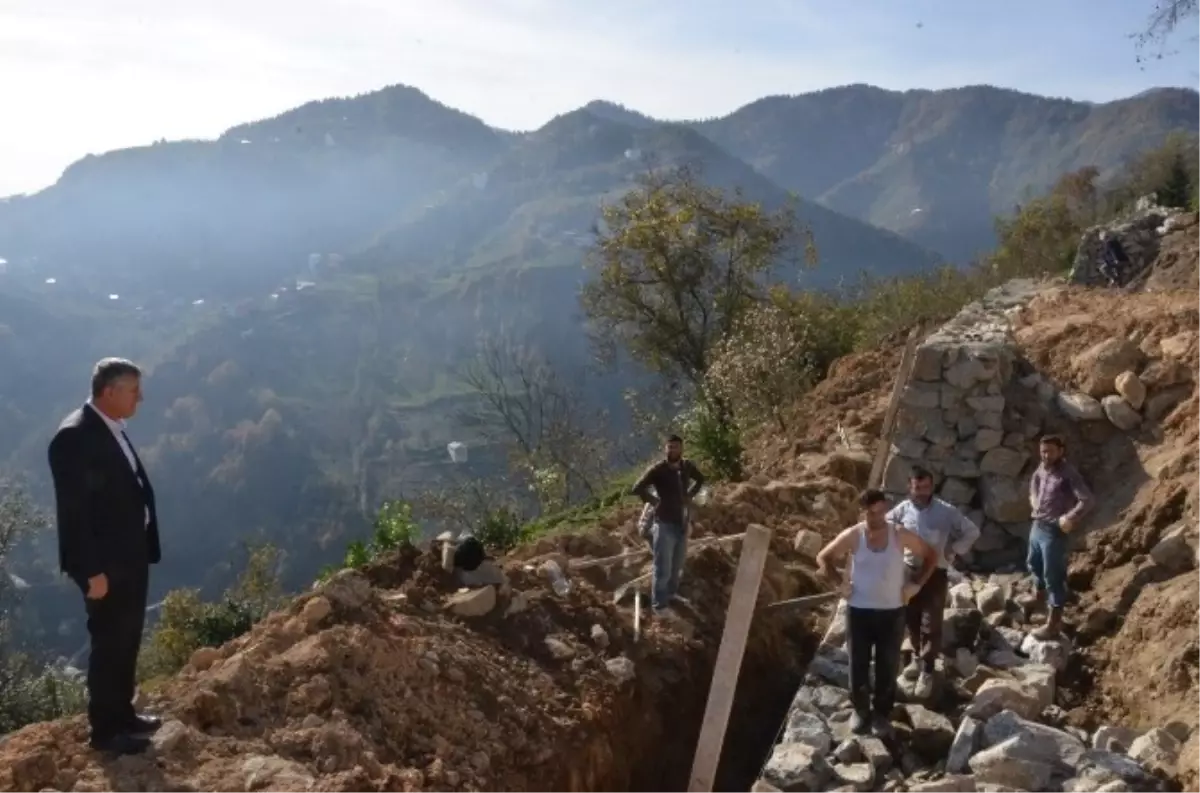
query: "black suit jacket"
101, 502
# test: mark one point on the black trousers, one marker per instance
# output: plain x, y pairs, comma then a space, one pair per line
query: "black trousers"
878, 634
115, 624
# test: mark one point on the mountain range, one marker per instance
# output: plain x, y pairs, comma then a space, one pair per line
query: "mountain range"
304, 288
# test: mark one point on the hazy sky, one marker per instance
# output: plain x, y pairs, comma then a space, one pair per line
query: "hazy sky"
84, 76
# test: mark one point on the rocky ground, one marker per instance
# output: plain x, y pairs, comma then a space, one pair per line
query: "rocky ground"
397, 678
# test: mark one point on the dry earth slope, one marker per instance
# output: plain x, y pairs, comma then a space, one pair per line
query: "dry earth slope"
392, 678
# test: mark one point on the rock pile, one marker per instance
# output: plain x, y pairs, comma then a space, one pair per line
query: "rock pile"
974, 408
1125, 382
954, 420
1140, 236
992, 723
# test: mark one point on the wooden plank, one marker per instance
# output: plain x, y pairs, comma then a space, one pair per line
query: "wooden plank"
583, 565
808, 601
729, 658
907, 359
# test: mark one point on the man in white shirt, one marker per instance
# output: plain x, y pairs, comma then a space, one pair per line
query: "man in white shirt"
951, 534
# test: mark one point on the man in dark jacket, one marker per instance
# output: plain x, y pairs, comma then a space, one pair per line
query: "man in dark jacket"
107, 540
675, 482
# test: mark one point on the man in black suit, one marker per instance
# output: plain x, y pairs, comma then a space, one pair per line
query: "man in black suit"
107, 540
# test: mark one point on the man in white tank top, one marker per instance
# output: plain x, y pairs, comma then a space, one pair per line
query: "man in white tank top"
876, 593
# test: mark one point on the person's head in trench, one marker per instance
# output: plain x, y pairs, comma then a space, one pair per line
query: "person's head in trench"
875, 506
673, 448
1051, 449
920, 486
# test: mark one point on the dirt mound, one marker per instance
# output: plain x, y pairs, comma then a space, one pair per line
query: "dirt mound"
1175, 268
396, 679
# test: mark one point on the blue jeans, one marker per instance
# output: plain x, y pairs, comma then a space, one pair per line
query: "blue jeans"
670, 548
1047, 560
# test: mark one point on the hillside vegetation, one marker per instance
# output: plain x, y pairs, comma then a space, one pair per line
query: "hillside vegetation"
290, 395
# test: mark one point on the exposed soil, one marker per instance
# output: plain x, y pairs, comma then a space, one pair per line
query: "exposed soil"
371, 682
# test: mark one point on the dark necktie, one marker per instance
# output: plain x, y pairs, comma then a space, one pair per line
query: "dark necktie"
141, 472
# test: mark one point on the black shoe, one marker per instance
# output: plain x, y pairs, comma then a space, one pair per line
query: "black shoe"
121, 743
145, 724
881, 726
859, 724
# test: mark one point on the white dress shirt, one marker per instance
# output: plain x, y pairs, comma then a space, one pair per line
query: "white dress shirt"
117, 428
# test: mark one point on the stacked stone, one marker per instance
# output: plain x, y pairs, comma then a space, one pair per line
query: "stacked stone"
953, 420
994, 727
1139, 236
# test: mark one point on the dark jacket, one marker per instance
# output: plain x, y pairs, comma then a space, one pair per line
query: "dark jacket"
671, 485
101, 502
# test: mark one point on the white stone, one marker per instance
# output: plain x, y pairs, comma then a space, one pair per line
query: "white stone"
1120, 413
965, 662
1000, 694
1131, 389
1109, 738
1157, 750
169, 736
961, 596
621, 668
807, 728
966, 742
1040, 678
472, 602
1005, 500
990, 599
1080, 407
1173, 551
796, 766
1065, 748
1015, 762
808, 543
947, 784
1052, 652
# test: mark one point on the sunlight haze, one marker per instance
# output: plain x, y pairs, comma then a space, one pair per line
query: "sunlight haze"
98, 76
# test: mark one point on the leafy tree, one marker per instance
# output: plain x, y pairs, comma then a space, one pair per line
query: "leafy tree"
1178, 187
763, 366
676, 264
30, 690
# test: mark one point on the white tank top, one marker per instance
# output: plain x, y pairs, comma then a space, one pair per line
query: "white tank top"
877, 577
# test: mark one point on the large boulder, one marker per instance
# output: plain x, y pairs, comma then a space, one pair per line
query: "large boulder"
1065, 749
1018, 762
1098, 366
797, 766
1000, 694
1120, 413
1080, 407
1157, 750
932, 733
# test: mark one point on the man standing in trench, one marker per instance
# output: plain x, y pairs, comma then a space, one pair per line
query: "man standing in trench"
1059, 497
879, 588
107, 540
951, 534
675, 481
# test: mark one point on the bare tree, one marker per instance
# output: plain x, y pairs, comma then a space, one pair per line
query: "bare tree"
463, 505
555, 440
1164, 20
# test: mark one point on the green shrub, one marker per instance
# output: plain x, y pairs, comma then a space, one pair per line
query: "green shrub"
31, 692
501, 530
186, 622
713, 441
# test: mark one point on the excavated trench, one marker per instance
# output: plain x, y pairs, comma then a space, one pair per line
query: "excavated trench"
651, 739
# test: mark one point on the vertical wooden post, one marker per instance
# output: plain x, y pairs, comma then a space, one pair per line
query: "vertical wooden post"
907, 359
729, 658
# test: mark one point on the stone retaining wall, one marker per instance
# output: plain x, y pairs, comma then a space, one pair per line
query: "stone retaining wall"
955, 420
